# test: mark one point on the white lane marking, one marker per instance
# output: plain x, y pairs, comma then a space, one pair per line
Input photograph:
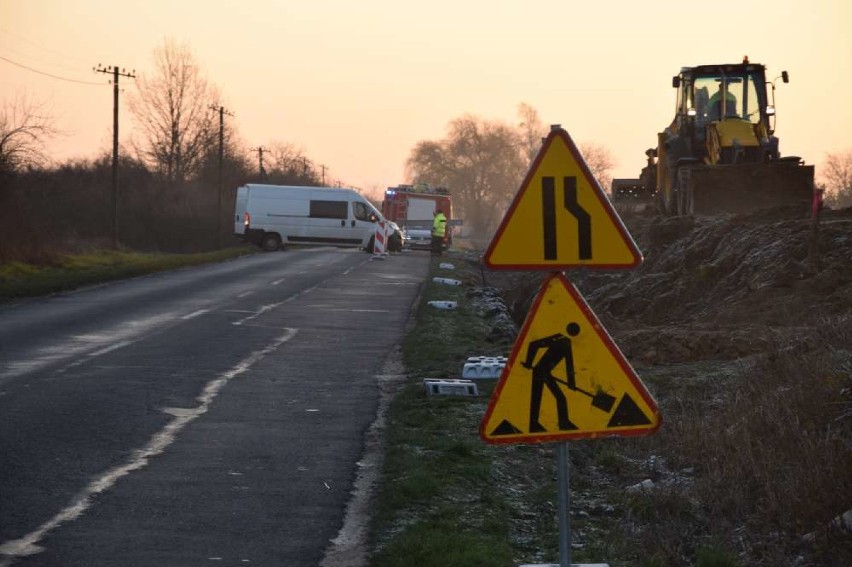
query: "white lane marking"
28, 544
245, 294
276, 282
264, 308
347, 271
111, 348
257, 313
195, 314
79, 345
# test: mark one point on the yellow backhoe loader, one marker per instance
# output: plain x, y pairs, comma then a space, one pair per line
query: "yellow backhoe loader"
719, 154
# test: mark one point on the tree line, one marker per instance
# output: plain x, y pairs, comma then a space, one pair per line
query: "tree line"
168, 193
170, 171
483, 163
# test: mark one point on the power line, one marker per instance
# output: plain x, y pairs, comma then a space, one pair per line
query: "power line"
45, 60
49, 74
37, 62
68, 56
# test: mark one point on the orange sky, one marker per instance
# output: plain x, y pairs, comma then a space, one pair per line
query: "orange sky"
357, 84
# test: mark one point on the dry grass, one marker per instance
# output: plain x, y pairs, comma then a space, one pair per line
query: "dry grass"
770, 455
753, 459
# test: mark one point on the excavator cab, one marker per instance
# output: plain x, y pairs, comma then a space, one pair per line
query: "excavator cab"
723, 113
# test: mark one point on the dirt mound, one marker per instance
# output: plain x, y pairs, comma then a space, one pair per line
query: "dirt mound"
740, 327
715, 287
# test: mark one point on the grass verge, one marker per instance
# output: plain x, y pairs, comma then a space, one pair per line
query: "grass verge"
436, 506
750, 467
19, 279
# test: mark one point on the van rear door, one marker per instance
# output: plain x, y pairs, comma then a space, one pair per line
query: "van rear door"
240, 208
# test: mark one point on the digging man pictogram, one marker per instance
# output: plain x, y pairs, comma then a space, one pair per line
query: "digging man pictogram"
596, 393
558, 349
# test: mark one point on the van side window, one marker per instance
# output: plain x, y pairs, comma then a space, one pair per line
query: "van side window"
329, 209
362, 212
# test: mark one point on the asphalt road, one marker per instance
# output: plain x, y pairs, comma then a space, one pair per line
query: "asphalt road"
210, 416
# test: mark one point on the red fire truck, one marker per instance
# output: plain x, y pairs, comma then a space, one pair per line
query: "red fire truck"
412, 208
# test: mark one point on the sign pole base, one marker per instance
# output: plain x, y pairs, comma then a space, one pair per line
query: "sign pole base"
564, 517
564, 520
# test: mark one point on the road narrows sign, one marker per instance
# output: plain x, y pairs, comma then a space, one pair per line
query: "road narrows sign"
561, 218
566, 378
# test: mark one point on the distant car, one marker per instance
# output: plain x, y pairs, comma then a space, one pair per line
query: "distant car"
419, 238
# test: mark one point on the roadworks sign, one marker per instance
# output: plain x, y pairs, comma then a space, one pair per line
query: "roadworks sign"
561, 218
566, 378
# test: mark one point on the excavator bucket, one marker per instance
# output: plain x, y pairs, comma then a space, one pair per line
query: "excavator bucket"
745, 187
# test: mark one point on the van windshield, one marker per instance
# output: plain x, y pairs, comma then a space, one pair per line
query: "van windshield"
364, 211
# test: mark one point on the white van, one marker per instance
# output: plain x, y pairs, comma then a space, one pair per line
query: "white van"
275, 215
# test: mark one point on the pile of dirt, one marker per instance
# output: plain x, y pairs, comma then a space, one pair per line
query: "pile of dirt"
715, 288
765, 296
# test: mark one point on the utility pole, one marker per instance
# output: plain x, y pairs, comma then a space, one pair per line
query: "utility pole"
115, 75
260, 150
323, 168
222, 112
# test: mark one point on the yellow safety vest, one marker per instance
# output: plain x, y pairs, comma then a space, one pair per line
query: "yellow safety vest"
439, 225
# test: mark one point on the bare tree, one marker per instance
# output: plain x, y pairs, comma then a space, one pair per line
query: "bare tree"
600, 162
481, 162
24, 126
837, 178
288, 160
172, 106
531, 130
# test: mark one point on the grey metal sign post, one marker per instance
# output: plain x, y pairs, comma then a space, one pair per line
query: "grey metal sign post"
564, 517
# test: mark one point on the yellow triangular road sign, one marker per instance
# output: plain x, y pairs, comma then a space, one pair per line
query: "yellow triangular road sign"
561, 218
566, 378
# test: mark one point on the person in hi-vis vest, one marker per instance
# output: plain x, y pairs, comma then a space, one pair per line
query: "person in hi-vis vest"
439, 229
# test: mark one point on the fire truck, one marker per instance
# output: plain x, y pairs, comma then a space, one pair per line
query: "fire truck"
412, 208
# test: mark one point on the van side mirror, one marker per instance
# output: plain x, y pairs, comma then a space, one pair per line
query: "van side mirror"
676, 82
785, 76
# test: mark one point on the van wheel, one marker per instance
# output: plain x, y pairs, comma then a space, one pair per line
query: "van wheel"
271, 242
369, 248
394, 243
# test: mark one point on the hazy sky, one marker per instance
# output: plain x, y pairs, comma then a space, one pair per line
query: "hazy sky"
356, 84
